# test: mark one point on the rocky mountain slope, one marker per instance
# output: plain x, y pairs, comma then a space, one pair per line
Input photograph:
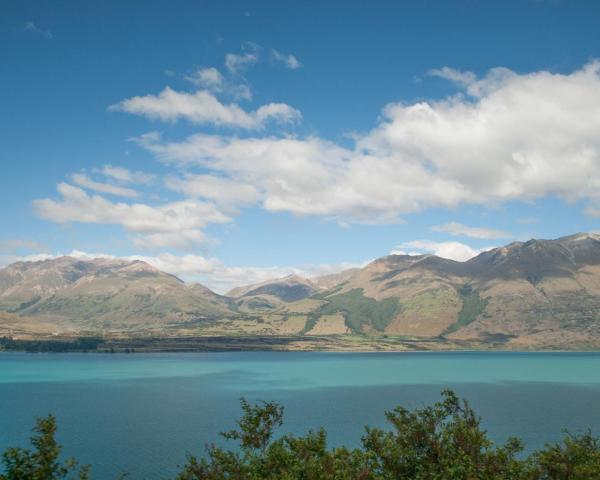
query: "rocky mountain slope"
104, 295
540, 293
535, 292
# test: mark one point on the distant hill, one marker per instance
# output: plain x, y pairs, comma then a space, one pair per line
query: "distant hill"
534, 294
276, 292
106, 295
287, 289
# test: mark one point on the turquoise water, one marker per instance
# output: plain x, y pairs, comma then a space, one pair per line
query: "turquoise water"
142, 413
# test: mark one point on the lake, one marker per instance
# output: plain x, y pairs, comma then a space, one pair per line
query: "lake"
142, 413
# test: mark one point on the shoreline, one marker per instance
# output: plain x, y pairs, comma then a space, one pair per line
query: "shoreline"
221, 343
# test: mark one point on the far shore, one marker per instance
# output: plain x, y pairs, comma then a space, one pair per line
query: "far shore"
247, 343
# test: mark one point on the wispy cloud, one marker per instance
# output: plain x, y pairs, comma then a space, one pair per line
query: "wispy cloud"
30, 27
85, 181
15, 244
289, 60
528, 220
458, 229
125, 176
593, 211
211, 79
238, 62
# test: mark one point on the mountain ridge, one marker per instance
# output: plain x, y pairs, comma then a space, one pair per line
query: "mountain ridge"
538, 293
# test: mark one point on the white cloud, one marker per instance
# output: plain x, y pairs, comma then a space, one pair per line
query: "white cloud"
451, 250
236, 63
209, 78
31, 27
515, 137
218, 189
125, 176
454, 228
85, 181
202, 107
289, 60
176, 224
301, 176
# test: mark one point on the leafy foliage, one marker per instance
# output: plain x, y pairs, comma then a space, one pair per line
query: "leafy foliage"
444, 441
42, 462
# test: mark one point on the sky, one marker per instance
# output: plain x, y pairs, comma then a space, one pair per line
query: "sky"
231, 142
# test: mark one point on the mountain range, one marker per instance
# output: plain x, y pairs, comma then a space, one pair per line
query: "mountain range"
534, 294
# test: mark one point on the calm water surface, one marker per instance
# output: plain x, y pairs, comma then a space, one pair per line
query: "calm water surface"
142, 413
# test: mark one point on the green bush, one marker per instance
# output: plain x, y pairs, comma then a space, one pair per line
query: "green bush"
42, 462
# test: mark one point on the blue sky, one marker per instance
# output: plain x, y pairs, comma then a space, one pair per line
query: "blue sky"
228, 142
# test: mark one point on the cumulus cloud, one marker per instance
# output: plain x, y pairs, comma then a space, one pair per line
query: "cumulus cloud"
31, 27
511, 137
85, 181
451, 250
458, 229
202, 107
236, 63
289, 60
176, 224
